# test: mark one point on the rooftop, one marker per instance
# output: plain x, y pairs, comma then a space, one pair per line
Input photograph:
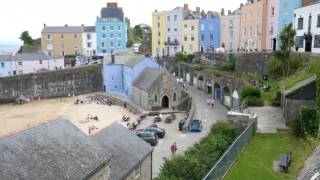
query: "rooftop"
148, 76
28, 57
68, 29
128, 60
300, 85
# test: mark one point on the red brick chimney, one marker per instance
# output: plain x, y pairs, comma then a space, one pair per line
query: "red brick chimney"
112, 5
198, 10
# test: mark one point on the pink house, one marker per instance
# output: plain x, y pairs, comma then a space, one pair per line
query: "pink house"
272, 35
35, 62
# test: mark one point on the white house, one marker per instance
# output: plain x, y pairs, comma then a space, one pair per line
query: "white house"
306, 22
89, 41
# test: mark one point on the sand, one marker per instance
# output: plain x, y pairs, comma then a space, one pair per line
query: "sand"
16, 118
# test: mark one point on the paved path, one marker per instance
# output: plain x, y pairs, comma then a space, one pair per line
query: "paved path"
209, 116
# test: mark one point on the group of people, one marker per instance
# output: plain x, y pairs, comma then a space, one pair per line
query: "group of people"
89, 116
210, 102
91, 128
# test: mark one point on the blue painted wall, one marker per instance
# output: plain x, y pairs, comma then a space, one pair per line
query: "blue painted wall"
6, 69
112, 33
123, 76
286, 14
211, 26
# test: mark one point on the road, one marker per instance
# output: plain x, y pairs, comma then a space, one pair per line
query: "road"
208, 115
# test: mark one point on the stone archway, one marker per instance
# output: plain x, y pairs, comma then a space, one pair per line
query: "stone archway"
165, 102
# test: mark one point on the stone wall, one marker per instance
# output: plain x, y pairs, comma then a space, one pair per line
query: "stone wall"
52, 84
145, 170
252, 63
292, 107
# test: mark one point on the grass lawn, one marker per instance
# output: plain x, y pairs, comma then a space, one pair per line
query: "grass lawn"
256, 160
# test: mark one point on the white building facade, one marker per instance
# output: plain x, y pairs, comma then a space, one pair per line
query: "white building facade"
306, 22
230, 31
89, 41
173, 31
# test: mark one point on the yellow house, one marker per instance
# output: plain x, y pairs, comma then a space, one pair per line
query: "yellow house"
189, 37
158, 32
62, 40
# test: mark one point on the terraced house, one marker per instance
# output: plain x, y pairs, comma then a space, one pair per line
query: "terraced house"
209, 31
190, 34
230, 30
111, 30
62, 40
158, 32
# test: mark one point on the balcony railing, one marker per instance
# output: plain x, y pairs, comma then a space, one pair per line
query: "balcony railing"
171, 43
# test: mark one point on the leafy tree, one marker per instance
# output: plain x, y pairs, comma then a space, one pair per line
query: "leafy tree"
250, 91
283, 55
129, 43
138, 33
26, 38
307, 123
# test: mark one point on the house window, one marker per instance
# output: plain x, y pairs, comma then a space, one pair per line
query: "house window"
75, 36
158, 25
168, 29
119, 36
137, 171
103, 44
2, 64
285, 8
300, 23
192, 38
155, 98
174, 96
272, 11
317, 41
49, 36
318, 21
159, 34
175, 17
20, 63
211, 37
119, 43
62, 37
185, 26
111, 36
103, 28
175, 29
88, 36
89, 45
111, 28
192, 28
202, 27
40, 61
112, 78
168, 18
119, 28
158, 42
185, 38
202, 37
299, 41
111, 43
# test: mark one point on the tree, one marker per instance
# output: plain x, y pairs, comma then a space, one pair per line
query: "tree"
26, 38
287, 43
138, 33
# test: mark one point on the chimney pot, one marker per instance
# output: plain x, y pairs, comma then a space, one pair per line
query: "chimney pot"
66, 25
44, 25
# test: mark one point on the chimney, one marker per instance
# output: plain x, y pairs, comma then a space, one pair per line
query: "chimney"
66, 25
82, 25
112, 5
198, 10
185, 7
112, 57
241, 5
229, 12
222, 12
155, 10
44, 25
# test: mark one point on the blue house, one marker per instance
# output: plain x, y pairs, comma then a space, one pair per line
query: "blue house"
5, 65
119, 76
111, 30
286, 14
209, 33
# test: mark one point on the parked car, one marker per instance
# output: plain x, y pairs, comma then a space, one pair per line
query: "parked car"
158, 131
148, 137
196, 126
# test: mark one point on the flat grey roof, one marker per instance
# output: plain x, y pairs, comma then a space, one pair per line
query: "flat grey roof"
68, 29
128, 60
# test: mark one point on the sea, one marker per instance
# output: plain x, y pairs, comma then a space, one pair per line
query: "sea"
4, 48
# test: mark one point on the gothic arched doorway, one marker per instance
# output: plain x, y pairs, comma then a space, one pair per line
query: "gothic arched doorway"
165, 102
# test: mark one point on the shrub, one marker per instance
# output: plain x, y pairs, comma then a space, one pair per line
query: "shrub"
250, 91
129, 43
307, 123
276, 100
199, 67
252, 101
184, 58
199, 159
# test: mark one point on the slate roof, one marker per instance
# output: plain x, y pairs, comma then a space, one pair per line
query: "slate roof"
128, 60
148, 76
56, 150
62, 29
112, 13
89, 29
126, 148
300, 85
28, 57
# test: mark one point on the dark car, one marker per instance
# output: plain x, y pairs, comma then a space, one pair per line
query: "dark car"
148, 137
196, 126
156, 130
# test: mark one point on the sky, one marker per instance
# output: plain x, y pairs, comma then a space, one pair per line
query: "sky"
17, 16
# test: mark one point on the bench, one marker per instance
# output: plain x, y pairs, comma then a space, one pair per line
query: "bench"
285, 161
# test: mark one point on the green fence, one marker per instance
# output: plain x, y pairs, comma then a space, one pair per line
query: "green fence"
222, 166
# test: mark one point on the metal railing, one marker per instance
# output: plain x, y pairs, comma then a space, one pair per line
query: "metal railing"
226, 161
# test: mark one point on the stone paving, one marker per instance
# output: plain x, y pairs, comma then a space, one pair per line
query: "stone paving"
209, 116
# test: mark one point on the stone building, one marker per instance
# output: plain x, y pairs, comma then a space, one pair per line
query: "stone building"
156, 89
302, 94
41, 153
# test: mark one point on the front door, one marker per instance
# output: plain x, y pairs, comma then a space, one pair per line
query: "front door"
165, 102
274, 44
308, 45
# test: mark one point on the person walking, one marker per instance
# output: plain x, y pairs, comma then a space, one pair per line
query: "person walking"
173, 149
208, 102
212, 103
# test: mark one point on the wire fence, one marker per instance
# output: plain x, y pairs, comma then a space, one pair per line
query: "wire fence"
223, 165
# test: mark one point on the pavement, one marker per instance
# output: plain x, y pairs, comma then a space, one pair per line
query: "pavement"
270, 119
208, 115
